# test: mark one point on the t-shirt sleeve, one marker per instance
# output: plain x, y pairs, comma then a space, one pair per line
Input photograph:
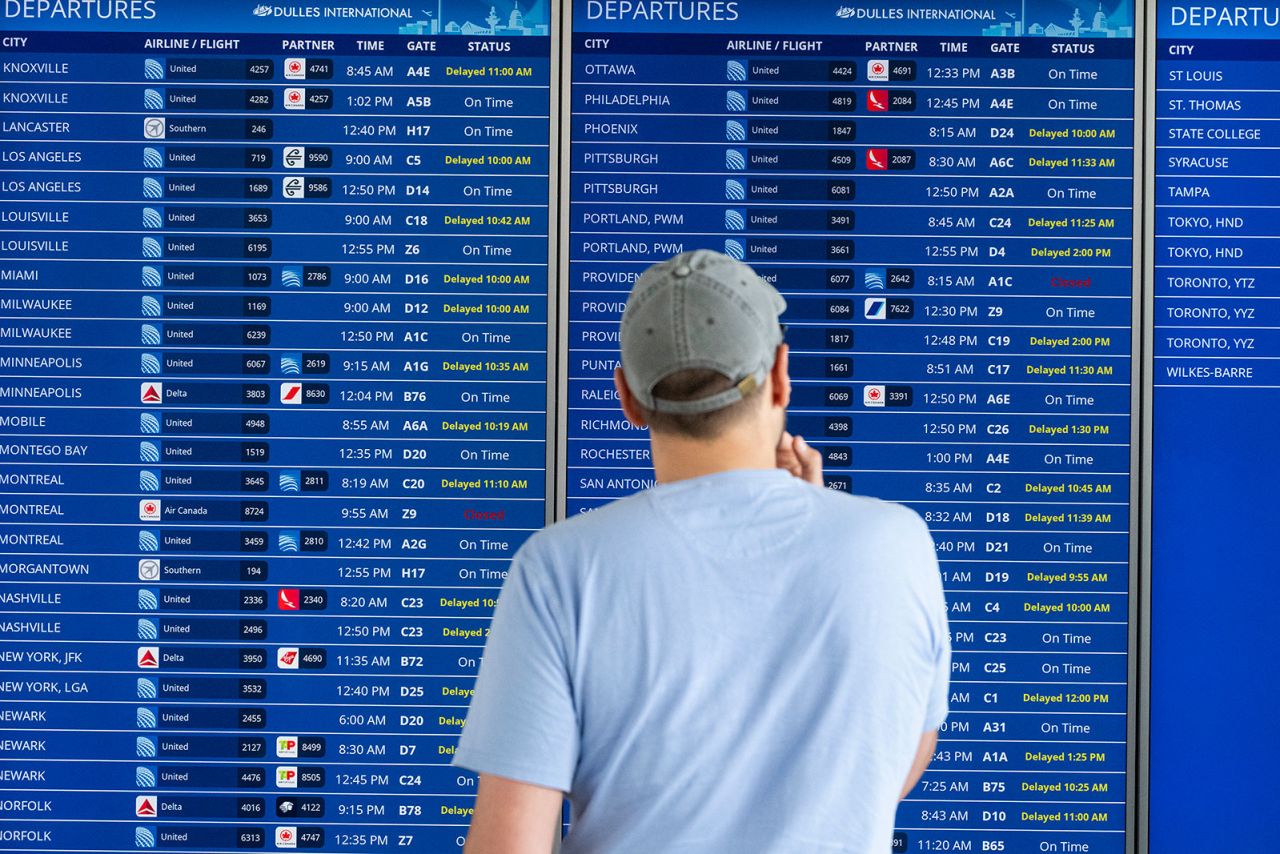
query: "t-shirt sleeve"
522, 723
935, 618
936, 711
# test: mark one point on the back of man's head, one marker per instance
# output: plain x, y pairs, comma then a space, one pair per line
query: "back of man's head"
699, 337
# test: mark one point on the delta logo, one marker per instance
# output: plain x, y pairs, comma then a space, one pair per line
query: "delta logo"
152, 393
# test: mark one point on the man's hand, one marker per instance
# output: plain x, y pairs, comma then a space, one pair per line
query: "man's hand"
796, 456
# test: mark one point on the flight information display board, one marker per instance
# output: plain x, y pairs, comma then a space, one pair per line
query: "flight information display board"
273, 405
1215, 406
944, 194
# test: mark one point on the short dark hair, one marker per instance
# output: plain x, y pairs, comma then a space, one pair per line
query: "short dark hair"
693, 384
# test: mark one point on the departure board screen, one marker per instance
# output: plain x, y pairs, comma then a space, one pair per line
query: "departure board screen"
1215, 406
273, 405
944, 195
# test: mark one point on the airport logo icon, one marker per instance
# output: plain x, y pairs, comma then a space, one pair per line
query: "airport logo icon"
148, 569
149, 510
291, 393
153, 127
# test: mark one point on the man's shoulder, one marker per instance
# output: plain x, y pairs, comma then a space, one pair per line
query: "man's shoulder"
602, 524
860, 514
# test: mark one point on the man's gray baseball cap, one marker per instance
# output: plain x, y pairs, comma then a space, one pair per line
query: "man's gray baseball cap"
705, 310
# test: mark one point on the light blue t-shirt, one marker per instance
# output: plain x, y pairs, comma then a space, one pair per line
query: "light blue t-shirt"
729, 664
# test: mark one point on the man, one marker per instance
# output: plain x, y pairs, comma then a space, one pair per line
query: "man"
733, 661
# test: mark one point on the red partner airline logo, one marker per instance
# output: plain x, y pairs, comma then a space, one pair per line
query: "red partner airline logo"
877, 159
878, 100
289, 599
291, 393
152, 392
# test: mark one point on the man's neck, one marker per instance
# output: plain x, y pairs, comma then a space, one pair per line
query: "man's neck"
678, 458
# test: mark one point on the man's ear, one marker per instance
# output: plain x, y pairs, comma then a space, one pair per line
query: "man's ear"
630, 406
780, 378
